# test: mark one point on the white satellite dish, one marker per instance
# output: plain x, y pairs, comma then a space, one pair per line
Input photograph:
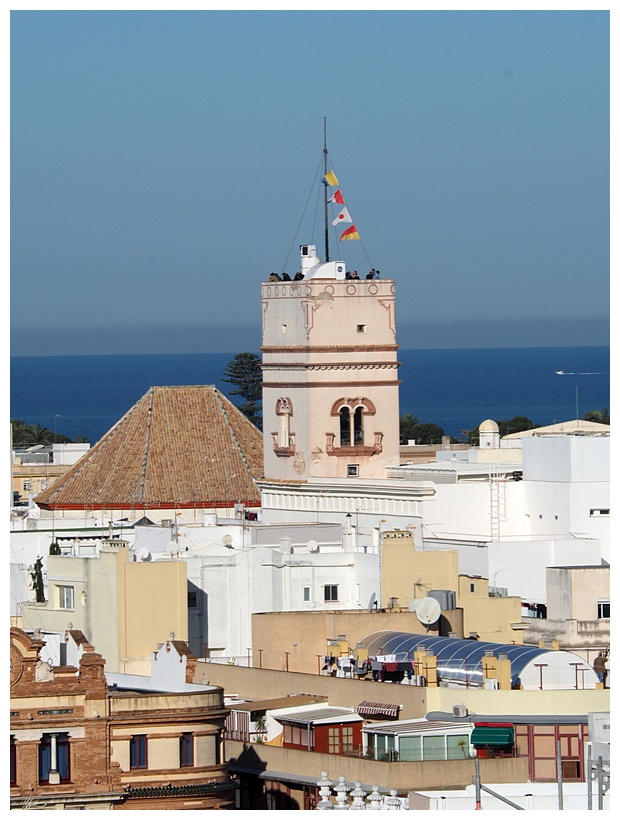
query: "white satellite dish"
172, 548
413, 604
227, 540
428, 611
313, 546
373, 600
144, 554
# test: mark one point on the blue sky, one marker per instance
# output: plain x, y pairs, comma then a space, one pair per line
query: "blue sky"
161, 163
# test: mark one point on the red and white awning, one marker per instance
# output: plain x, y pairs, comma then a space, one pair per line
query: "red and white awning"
369, 708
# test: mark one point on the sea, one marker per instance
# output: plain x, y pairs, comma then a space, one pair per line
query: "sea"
455, 389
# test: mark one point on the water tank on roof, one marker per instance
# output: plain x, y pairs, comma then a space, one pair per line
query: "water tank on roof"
446, 598
285, 545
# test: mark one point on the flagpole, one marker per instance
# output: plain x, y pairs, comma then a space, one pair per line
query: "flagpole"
325, 187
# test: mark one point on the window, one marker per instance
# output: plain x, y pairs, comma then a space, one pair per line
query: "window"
351, 414
457, 747
186, 749
65, 597
571, 770
345, 426
351, 426
330, 592
361, 328
54, 758
410, 748
353, 470
306, 593
192, 600
27, 485
472, 587
433, 747
593, 513
603, 610
137, 752
12, 762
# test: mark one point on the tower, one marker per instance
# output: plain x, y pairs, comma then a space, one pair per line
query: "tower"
330, 375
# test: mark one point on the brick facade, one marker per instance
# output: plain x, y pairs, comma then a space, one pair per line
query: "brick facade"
90, 721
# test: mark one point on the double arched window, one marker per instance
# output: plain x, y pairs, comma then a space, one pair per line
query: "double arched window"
351, 414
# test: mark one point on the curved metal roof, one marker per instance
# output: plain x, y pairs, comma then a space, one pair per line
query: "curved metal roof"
459, 661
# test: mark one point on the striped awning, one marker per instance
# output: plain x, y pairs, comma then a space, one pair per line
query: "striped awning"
369, 708
492, 736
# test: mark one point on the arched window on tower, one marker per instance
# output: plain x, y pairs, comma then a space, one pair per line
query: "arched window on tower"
351, 433
345, 426
358, 425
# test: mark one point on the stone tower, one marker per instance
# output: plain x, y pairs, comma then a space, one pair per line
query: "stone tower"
330, 375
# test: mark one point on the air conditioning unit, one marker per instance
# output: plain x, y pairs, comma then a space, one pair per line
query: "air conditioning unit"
460, 711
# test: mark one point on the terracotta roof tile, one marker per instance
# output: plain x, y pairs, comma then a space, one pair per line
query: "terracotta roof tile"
182, 446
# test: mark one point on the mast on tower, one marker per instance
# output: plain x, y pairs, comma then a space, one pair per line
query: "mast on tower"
325, 187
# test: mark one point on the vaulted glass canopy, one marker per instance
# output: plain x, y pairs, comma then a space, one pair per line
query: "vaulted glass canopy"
459, 661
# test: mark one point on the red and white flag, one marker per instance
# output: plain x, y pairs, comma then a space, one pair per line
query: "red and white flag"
343, 216
337, 197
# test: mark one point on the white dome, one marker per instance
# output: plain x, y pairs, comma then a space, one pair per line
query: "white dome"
488, 426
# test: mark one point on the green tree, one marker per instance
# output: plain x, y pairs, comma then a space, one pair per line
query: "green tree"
600, 416
27, 435
407, 423
244, 371
518, 424
427, 433
472, 437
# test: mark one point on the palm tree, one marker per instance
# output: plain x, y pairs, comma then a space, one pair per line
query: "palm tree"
35, 434
407, 423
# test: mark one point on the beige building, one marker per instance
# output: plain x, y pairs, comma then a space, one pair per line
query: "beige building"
34, 469
414, 583
122, 606
410, 575
578, 611
330, 375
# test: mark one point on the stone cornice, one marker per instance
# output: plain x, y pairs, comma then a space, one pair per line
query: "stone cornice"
331, 366
327, 348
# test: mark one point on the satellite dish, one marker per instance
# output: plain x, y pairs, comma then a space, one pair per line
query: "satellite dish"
227, 540
172, 548
372, 602
428, 611
313, 546
413, 604
144, 554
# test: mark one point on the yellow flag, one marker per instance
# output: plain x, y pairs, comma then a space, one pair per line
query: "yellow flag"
330, 178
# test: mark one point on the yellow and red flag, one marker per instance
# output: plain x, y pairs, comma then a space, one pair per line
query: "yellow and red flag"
350, 233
